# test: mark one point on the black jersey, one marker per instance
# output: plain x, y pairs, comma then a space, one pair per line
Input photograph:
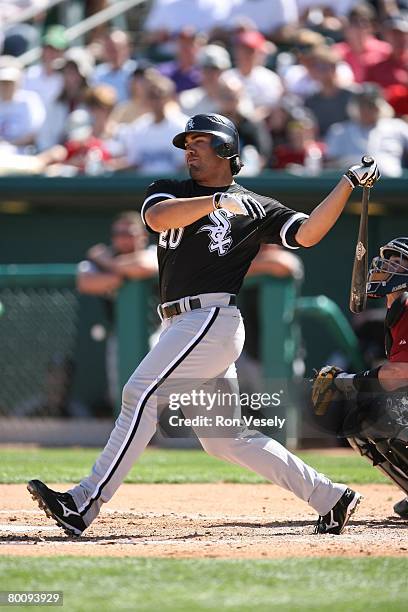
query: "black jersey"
213, 254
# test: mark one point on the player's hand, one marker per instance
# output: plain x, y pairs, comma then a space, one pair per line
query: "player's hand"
363, 175
239, 204
324, 390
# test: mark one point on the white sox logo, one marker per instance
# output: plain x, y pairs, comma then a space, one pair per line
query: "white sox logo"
220, 240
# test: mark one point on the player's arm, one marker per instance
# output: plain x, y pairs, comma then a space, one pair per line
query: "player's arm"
393, 375
325, 215
177, 212
389, 376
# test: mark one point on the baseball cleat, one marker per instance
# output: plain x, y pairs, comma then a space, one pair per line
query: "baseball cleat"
338, 517
58, 506
401, 508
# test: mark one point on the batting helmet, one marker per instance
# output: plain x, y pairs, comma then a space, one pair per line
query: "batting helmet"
224, 141
386, 276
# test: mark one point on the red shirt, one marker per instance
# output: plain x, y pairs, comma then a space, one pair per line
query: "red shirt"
399, 348
389, 72
77, 150
285, 155
374, 51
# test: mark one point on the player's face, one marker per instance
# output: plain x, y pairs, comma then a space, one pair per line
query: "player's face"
201, 158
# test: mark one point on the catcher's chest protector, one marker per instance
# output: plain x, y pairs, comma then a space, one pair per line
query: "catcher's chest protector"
393, 315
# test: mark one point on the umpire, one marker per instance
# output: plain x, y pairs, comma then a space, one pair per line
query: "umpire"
209, 229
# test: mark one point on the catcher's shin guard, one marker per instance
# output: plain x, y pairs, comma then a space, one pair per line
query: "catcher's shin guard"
381, 455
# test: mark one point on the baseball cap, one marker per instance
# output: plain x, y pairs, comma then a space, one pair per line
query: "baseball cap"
397, 22
10, 68
55, 37
252, 39
214, 56
81, 58
367, 92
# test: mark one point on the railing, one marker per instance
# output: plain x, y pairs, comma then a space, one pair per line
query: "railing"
33, 11
117, 8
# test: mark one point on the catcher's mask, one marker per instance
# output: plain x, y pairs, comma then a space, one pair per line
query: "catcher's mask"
386, 276
224, 137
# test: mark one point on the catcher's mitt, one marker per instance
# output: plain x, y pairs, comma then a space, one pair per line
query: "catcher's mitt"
324, 391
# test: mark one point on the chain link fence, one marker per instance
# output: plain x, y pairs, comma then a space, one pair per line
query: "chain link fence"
38, 339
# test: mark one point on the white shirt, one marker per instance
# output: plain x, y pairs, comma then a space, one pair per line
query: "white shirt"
348, 141
118, 79
299, 82
263, 86
268, 15
22, 116
196, 101
340, 7
148, 145
174, 15
47, 86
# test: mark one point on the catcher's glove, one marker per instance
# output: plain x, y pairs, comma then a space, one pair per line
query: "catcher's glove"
324, 390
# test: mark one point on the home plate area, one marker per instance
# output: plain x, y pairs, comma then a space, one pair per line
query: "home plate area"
204, 520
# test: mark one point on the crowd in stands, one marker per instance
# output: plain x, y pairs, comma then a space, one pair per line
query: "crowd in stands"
310, 84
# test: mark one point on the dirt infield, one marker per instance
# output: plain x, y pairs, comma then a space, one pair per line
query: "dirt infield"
204, 520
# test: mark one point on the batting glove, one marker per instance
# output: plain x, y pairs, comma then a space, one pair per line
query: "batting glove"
239, 204
363, 176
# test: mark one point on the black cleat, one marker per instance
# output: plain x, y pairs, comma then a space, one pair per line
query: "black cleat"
338, 517
58, 506
401, 508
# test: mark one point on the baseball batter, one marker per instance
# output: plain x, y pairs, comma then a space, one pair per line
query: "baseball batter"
209, 228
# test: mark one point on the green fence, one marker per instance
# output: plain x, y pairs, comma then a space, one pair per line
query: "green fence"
44, 361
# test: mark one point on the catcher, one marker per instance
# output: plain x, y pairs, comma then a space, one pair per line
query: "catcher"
370, 408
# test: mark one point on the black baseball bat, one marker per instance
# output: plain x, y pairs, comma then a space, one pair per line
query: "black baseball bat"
358, 296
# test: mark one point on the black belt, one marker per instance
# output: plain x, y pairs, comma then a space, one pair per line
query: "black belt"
170, 310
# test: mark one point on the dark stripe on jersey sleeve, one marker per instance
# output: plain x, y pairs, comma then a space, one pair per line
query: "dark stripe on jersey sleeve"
289, 230
150, 200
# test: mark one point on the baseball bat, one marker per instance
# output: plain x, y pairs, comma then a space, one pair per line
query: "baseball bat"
358, 296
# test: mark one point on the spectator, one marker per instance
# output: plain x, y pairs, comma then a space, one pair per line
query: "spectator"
145, 142
105, 270
251, 134
43, 78
22, 112
340, 7
86, 149
289, 108
371, 130
394, 69
262, 85
76, 68
118, 68
20, 38
132, 109
302, 151
169, 18
300, 78
329, 104
361, 49
268, 17
183, 70
213, 60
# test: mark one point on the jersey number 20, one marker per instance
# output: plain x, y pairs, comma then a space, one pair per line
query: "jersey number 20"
171, 240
